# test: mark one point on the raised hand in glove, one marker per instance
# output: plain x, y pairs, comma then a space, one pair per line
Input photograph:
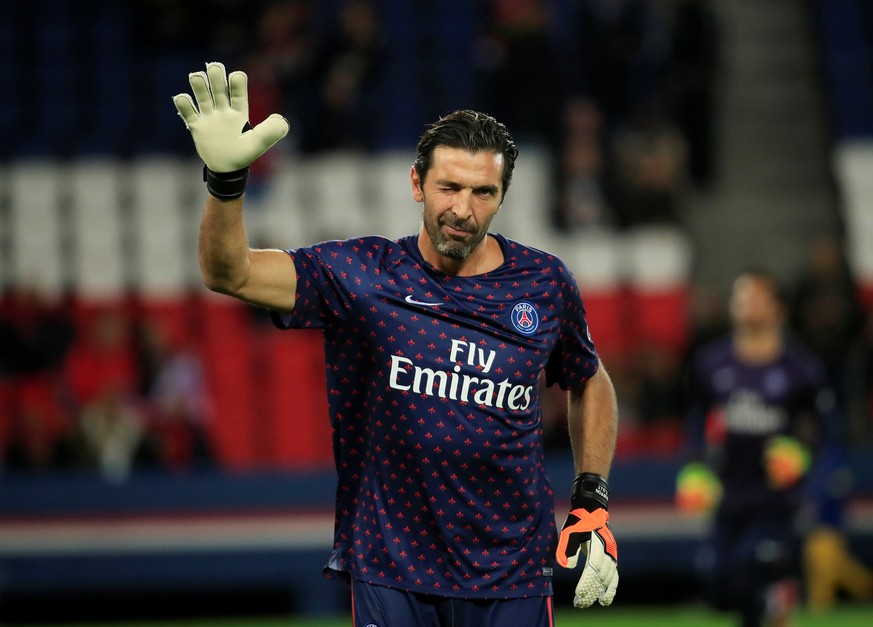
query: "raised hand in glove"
219, 124
586, 531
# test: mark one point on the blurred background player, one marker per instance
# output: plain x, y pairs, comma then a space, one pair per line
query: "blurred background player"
758, 406
435, 346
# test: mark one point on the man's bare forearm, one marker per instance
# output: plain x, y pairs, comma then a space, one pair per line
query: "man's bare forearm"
266, 278
224, 246
593, 424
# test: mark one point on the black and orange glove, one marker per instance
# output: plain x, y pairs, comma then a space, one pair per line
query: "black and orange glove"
586, 531
786, 461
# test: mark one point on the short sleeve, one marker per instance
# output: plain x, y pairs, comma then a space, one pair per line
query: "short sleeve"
321, 295
574, 359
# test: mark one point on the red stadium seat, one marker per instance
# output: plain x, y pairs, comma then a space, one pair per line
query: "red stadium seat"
606, 312
228, 368
297, 398
228, 358
661, 317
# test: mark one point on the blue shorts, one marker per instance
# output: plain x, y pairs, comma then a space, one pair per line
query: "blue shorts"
376, 606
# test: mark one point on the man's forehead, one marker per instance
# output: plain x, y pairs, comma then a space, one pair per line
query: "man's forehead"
458, 161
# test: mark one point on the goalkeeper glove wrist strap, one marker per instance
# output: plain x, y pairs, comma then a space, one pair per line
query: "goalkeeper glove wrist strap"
226, 185
590, 492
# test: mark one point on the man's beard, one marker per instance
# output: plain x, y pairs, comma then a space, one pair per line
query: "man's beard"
449, 247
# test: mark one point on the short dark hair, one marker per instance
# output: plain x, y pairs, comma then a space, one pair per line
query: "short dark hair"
768, 277
469, 130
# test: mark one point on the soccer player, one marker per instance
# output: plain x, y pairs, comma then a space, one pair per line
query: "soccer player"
759, 404
434, 345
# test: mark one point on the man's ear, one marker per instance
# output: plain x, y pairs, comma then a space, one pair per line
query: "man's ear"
415, 180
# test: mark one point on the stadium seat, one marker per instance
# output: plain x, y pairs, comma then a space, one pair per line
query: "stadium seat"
6, 412
297, 405
395, 213
853, 161
659, 275
174, 317
227, 355
525, 215
278, 217
35, 225
99, 264
594, 257
164, 226
334, 182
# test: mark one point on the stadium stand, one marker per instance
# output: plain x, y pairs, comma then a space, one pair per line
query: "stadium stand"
100, 196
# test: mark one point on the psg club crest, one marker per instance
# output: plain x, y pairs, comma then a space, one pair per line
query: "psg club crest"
525, 319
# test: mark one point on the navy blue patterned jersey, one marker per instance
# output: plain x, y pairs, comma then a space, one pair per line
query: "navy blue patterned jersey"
747, 404
433, 389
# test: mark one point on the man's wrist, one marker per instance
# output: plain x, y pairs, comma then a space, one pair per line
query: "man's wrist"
590, 492
226, 185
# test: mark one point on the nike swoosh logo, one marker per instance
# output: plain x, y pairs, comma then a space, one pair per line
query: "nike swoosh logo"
409, 299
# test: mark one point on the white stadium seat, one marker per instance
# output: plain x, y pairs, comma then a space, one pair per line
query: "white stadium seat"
99, 267
34, 222
277, 217
166, 242
526, 212
334, 184
387, 183
657, 257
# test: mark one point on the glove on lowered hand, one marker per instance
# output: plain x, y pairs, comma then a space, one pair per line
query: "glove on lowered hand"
586, 531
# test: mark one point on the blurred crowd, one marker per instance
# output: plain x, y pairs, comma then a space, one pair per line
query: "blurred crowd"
825, 315
622, 93
103, 390
112, 389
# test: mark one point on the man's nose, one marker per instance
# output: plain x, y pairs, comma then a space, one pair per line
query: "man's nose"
463, 204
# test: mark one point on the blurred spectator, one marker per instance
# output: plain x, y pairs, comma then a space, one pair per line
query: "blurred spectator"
346, 69
35, 335
828, 317
619, 54
173, 384
282, 61
265, 97
168, 25
113, 433
659, 400
102, 359
866, 411
40, 440
582, 200
223, 28
650, 161
520, 82
830, 568
231, 26
691, 83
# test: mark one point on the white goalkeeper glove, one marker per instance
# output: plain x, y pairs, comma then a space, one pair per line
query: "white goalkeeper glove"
586, 531
219, 124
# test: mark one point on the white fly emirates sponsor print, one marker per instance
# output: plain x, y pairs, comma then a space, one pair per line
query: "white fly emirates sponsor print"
485, 387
